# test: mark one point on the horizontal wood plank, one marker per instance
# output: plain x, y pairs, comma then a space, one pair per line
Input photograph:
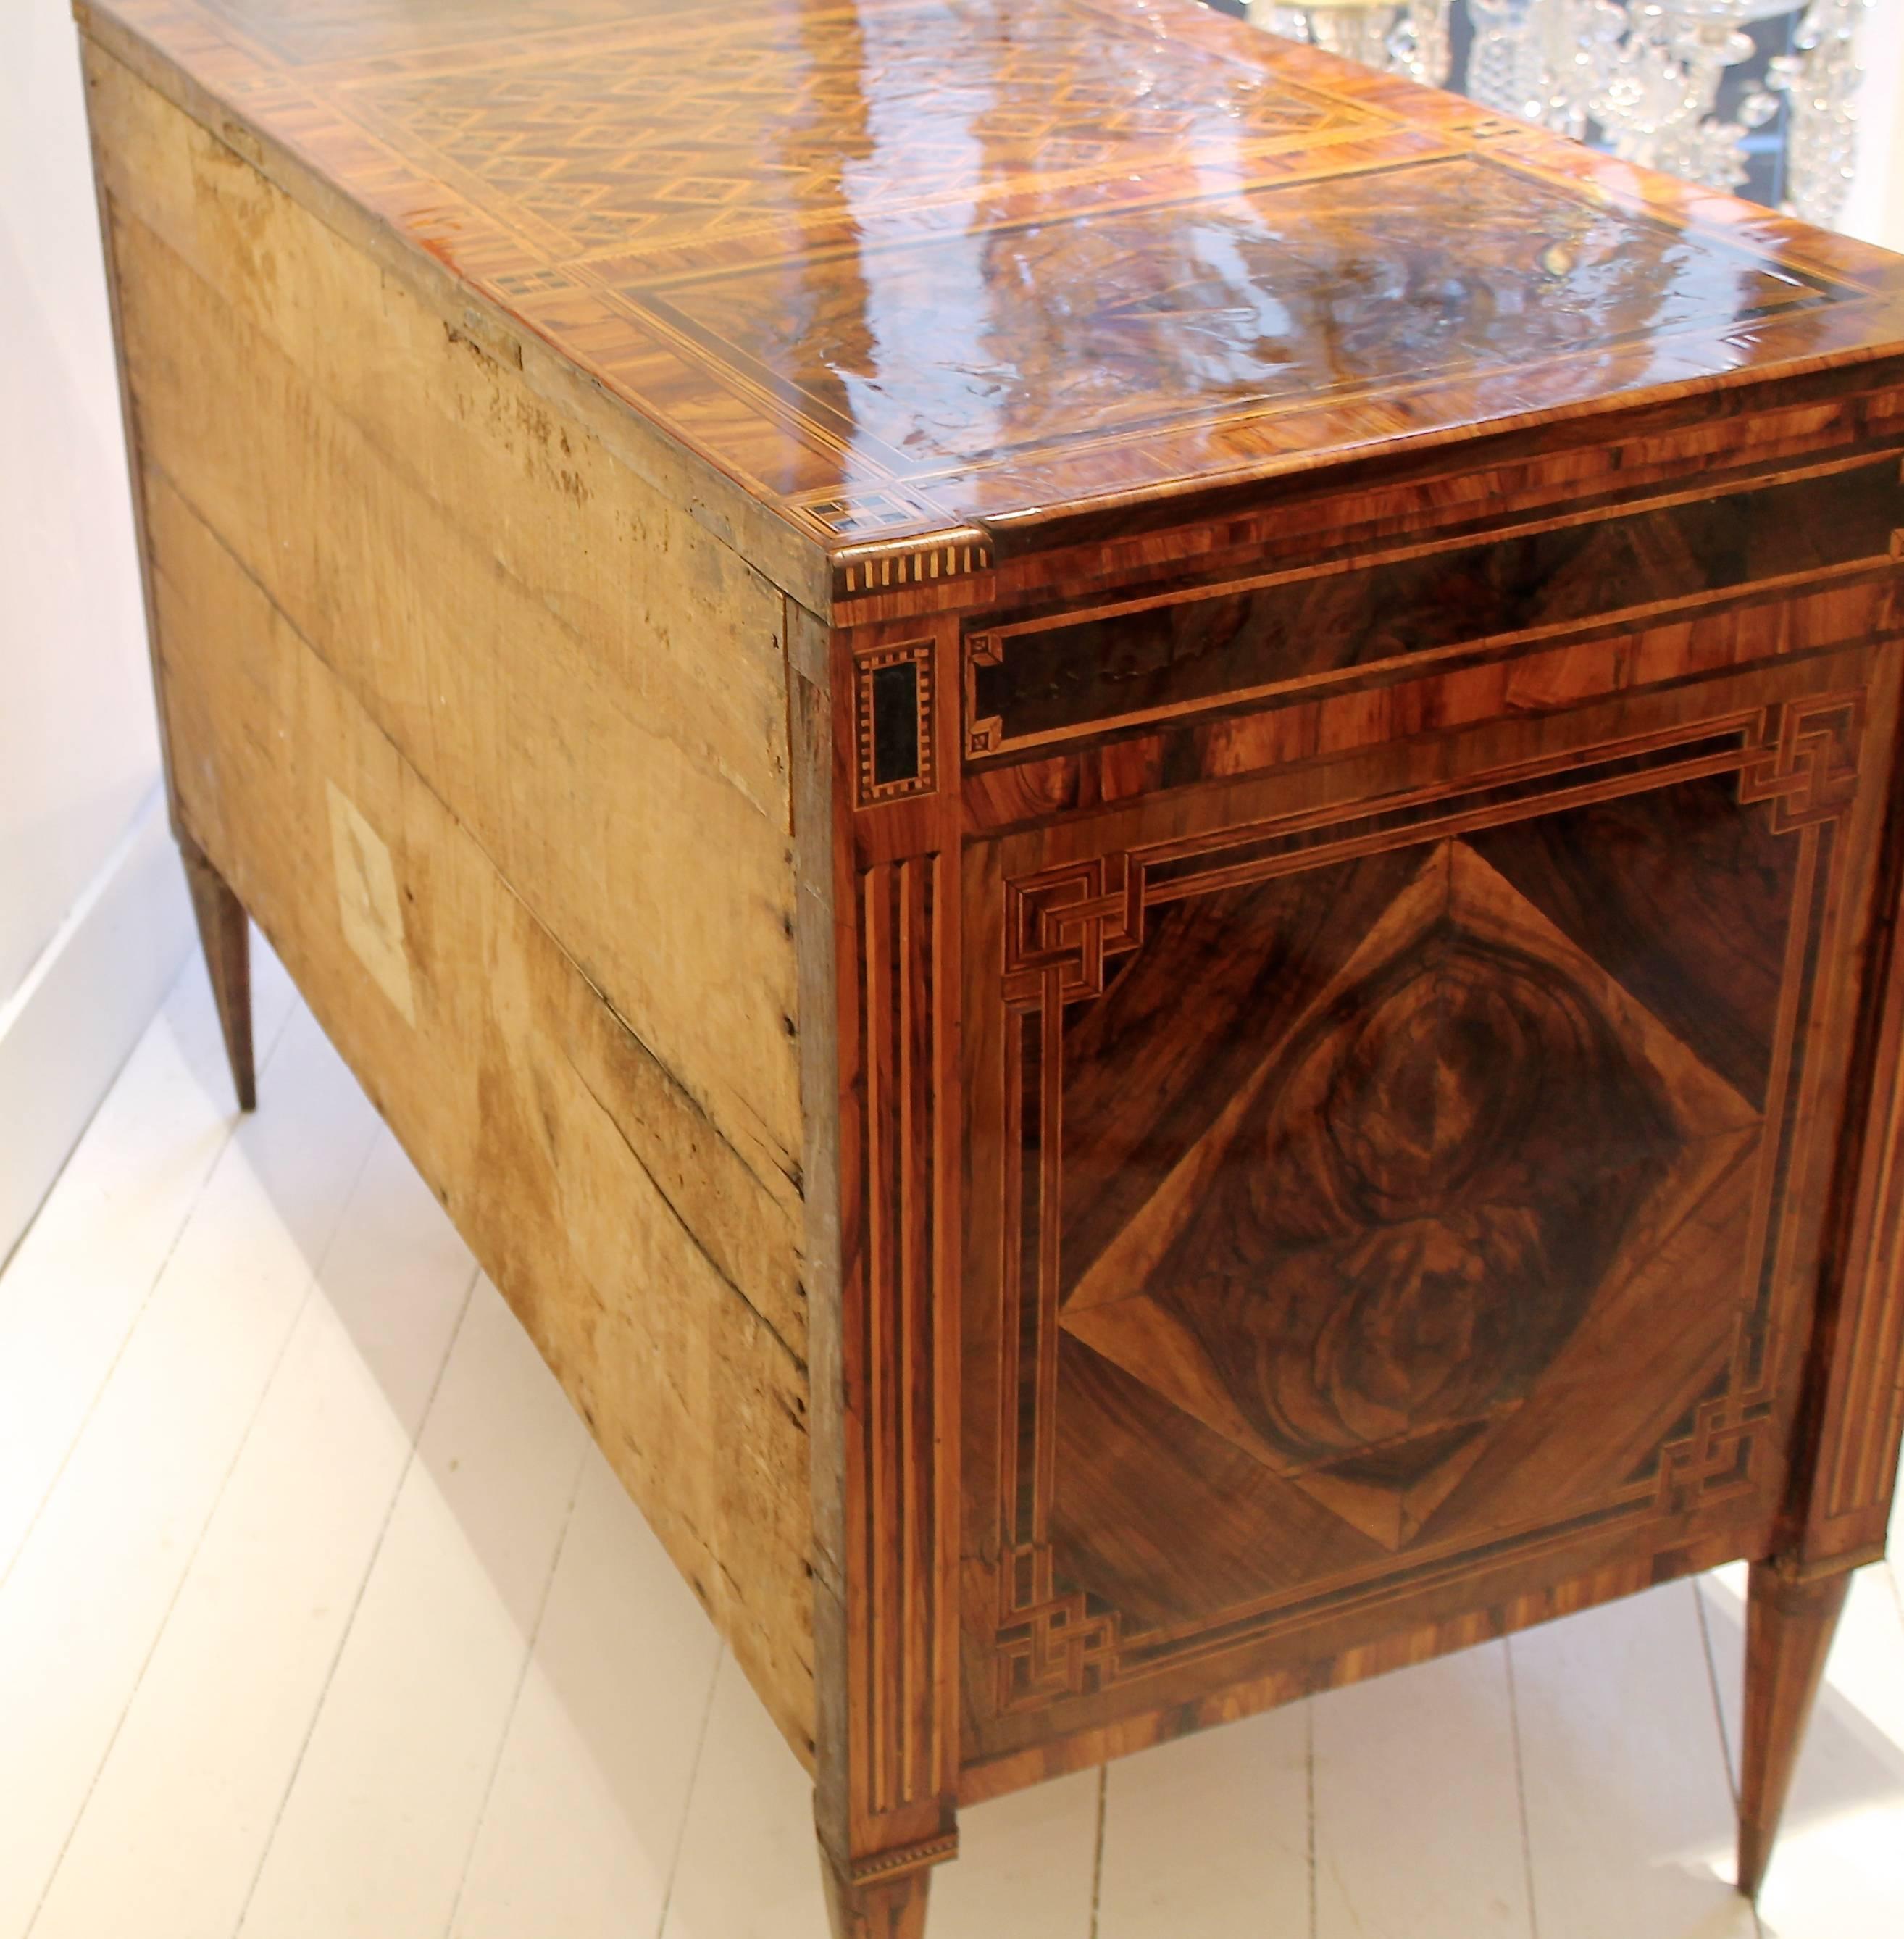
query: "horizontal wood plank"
520, 1094
595, 685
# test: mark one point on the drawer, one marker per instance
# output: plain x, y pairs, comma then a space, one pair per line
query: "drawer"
1043, 681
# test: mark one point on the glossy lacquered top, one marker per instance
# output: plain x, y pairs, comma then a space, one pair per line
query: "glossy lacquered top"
902, 266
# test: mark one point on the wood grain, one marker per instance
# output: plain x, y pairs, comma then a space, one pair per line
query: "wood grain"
1118, 809
1789, 1628
644, 224
487, 636
1033, 684
225, 935
586, 1184
1236, 1371
888, 1789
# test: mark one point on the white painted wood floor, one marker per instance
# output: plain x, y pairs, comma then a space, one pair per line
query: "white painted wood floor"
320, 1616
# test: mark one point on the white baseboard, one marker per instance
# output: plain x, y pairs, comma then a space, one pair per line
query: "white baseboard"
74, 1019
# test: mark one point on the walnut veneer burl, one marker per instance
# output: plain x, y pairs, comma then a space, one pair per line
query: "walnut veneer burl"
1118, 810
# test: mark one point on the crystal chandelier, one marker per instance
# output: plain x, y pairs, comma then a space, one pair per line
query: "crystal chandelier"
1640, 79
1408, 37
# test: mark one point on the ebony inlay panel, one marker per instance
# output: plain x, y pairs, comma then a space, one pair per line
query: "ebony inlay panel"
1040, 682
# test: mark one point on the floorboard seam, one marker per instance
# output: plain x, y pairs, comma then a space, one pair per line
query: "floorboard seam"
694, 1780
357, 1603
1520, 1787
311, 1292
516, 1695
1097, 1856
158, 1279
1309, 1766
1712, 1683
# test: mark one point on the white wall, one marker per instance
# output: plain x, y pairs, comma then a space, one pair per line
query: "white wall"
81, 965
1874, 208
78, 749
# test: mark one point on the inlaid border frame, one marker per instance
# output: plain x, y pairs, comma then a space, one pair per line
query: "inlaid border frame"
1001, 1756
887, 1381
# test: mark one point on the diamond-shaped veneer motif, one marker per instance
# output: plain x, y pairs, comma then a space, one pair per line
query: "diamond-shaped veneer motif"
1400, 1217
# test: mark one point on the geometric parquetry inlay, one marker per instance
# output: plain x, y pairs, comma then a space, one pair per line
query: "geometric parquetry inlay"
998, 257
1398, 1221
716, 125
1002, 256
1248, 302
1469, 1209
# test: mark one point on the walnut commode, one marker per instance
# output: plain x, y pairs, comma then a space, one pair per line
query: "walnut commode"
1118, 810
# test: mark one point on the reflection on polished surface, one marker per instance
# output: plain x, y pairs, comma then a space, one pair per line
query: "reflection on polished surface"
694, 130
1236, 300
898, 266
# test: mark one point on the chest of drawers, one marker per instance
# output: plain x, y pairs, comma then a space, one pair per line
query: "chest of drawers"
1116, 810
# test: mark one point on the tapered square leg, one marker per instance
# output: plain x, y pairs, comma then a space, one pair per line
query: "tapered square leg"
1789, 1627
892, 1908
225, 934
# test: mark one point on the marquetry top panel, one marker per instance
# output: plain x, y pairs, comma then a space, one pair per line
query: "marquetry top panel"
903, 266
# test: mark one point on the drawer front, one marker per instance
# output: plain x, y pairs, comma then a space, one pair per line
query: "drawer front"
1395, 1177
1043, 682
